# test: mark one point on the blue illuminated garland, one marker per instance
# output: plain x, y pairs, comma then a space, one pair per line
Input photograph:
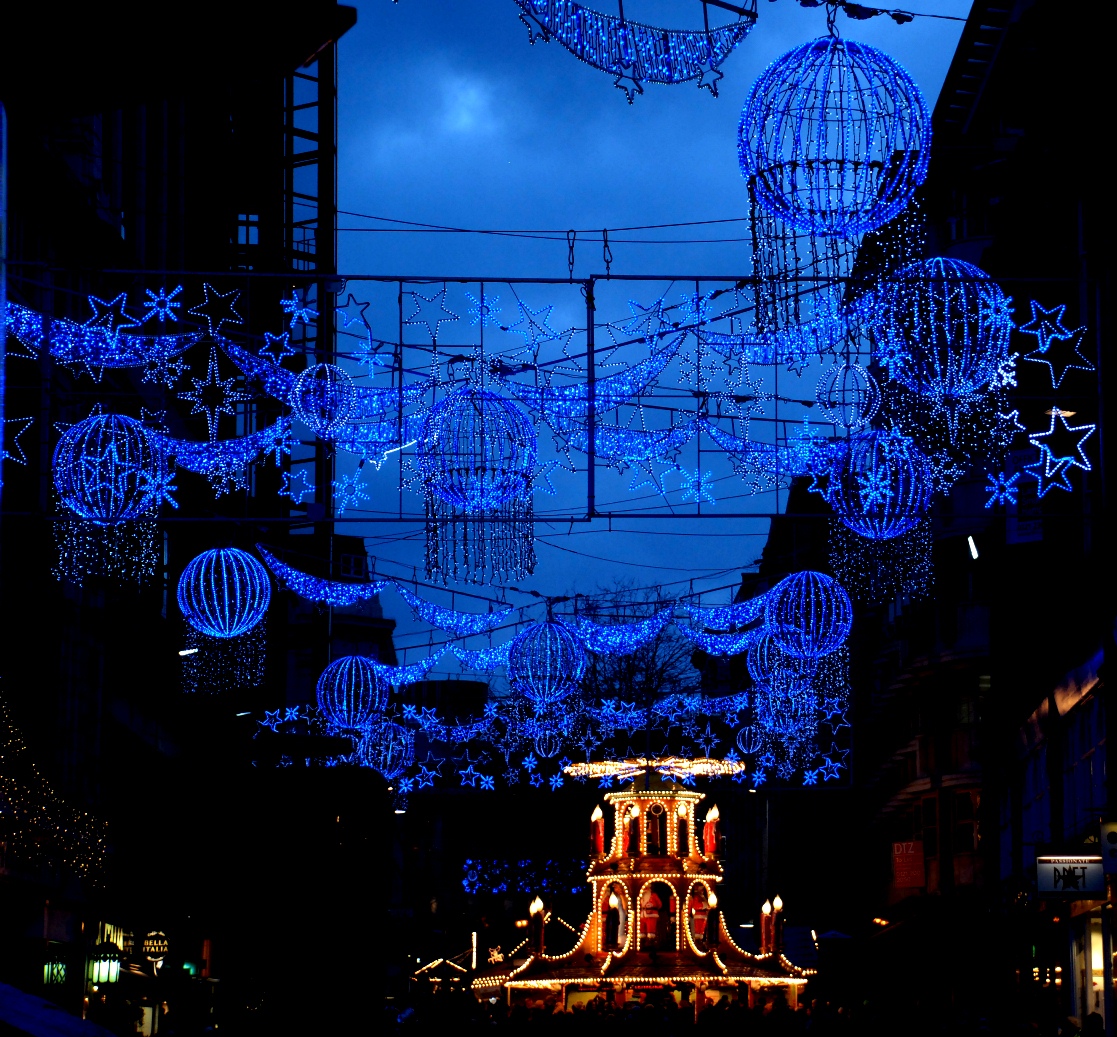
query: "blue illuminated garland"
620, 638
484, 659
721, 644
633, 52
325, 592
222, 459
461, 623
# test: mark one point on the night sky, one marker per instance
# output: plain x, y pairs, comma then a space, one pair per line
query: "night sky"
449, 117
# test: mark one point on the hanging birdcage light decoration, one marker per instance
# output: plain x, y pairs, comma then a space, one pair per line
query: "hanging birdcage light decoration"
476, 456
110, 476
835, 136
223, 594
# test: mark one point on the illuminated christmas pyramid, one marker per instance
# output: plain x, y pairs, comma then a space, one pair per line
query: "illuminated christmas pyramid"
655, 924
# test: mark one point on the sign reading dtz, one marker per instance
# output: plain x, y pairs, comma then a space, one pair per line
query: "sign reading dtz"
1070, 876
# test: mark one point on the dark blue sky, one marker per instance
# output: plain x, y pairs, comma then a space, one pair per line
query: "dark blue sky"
448, 116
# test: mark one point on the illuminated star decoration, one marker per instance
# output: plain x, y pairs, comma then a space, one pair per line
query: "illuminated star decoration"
649, 322
488, 781
299, 311
110, 316
1061, 354
425, 777
11, 440
536, 779
297, 486
427, 312
1055, 456
711, 76
696, 486
469, 776
1045, 325
276, 347
555, 781
161, 306
349, 491
483, 311
535, 331
217, 309
1001, 487
626, 80
875, 486
213, 395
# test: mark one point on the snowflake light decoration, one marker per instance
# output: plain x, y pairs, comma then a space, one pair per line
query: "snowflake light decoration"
696, 486
349, 492
161, 306
1001, 487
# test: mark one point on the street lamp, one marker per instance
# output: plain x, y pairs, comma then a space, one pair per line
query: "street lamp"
104, 964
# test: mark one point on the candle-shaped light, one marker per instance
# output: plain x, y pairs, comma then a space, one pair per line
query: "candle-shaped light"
713, 921
632, 831
535, 923
613, 923
710, 831
597, 832
682, 832
777, 923
766, 928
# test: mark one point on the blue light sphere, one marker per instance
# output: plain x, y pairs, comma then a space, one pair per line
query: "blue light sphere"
224, 592
835, 136
477, 450
750, 739
324, 397
941, 327
548, 744
546, 662
767, 662
809, 615
387, 747
848, 396
881, 485
107, 469
351, 694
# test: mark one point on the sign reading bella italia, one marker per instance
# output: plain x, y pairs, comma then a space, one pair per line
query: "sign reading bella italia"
1070, 876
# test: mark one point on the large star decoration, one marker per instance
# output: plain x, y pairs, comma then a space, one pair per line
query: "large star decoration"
1061, 354
276, 347
13, 429
429, 311
1061, 444
534, 326
217, 308
626, 80
297, 486
213, 396
1045, 325
649, 322
710, 77
110, 316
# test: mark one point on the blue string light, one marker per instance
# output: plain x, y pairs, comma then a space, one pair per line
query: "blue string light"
720, 644
227, 459
463, 624
483, 660
1045, 324
1060, 354
836, 136
352, 694
389, 748
633, 52
808, 614
224, 592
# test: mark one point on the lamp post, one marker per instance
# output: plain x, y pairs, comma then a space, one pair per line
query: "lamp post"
104, 964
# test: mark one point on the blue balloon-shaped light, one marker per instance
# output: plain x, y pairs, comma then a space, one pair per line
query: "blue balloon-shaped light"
546, 661
880, 485
324, 398
835, 136
848, 396
387, 747
548, 744
767, 662
750, 739
809, 615
351, 694
941, 327
108, 469
224, 592
477, 450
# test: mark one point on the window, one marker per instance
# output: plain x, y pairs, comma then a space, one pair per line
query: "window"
248, 228
354, 566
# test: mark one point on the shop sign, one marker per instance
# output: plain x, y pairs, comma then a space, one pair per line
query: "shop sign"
1070, 876
907, 864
